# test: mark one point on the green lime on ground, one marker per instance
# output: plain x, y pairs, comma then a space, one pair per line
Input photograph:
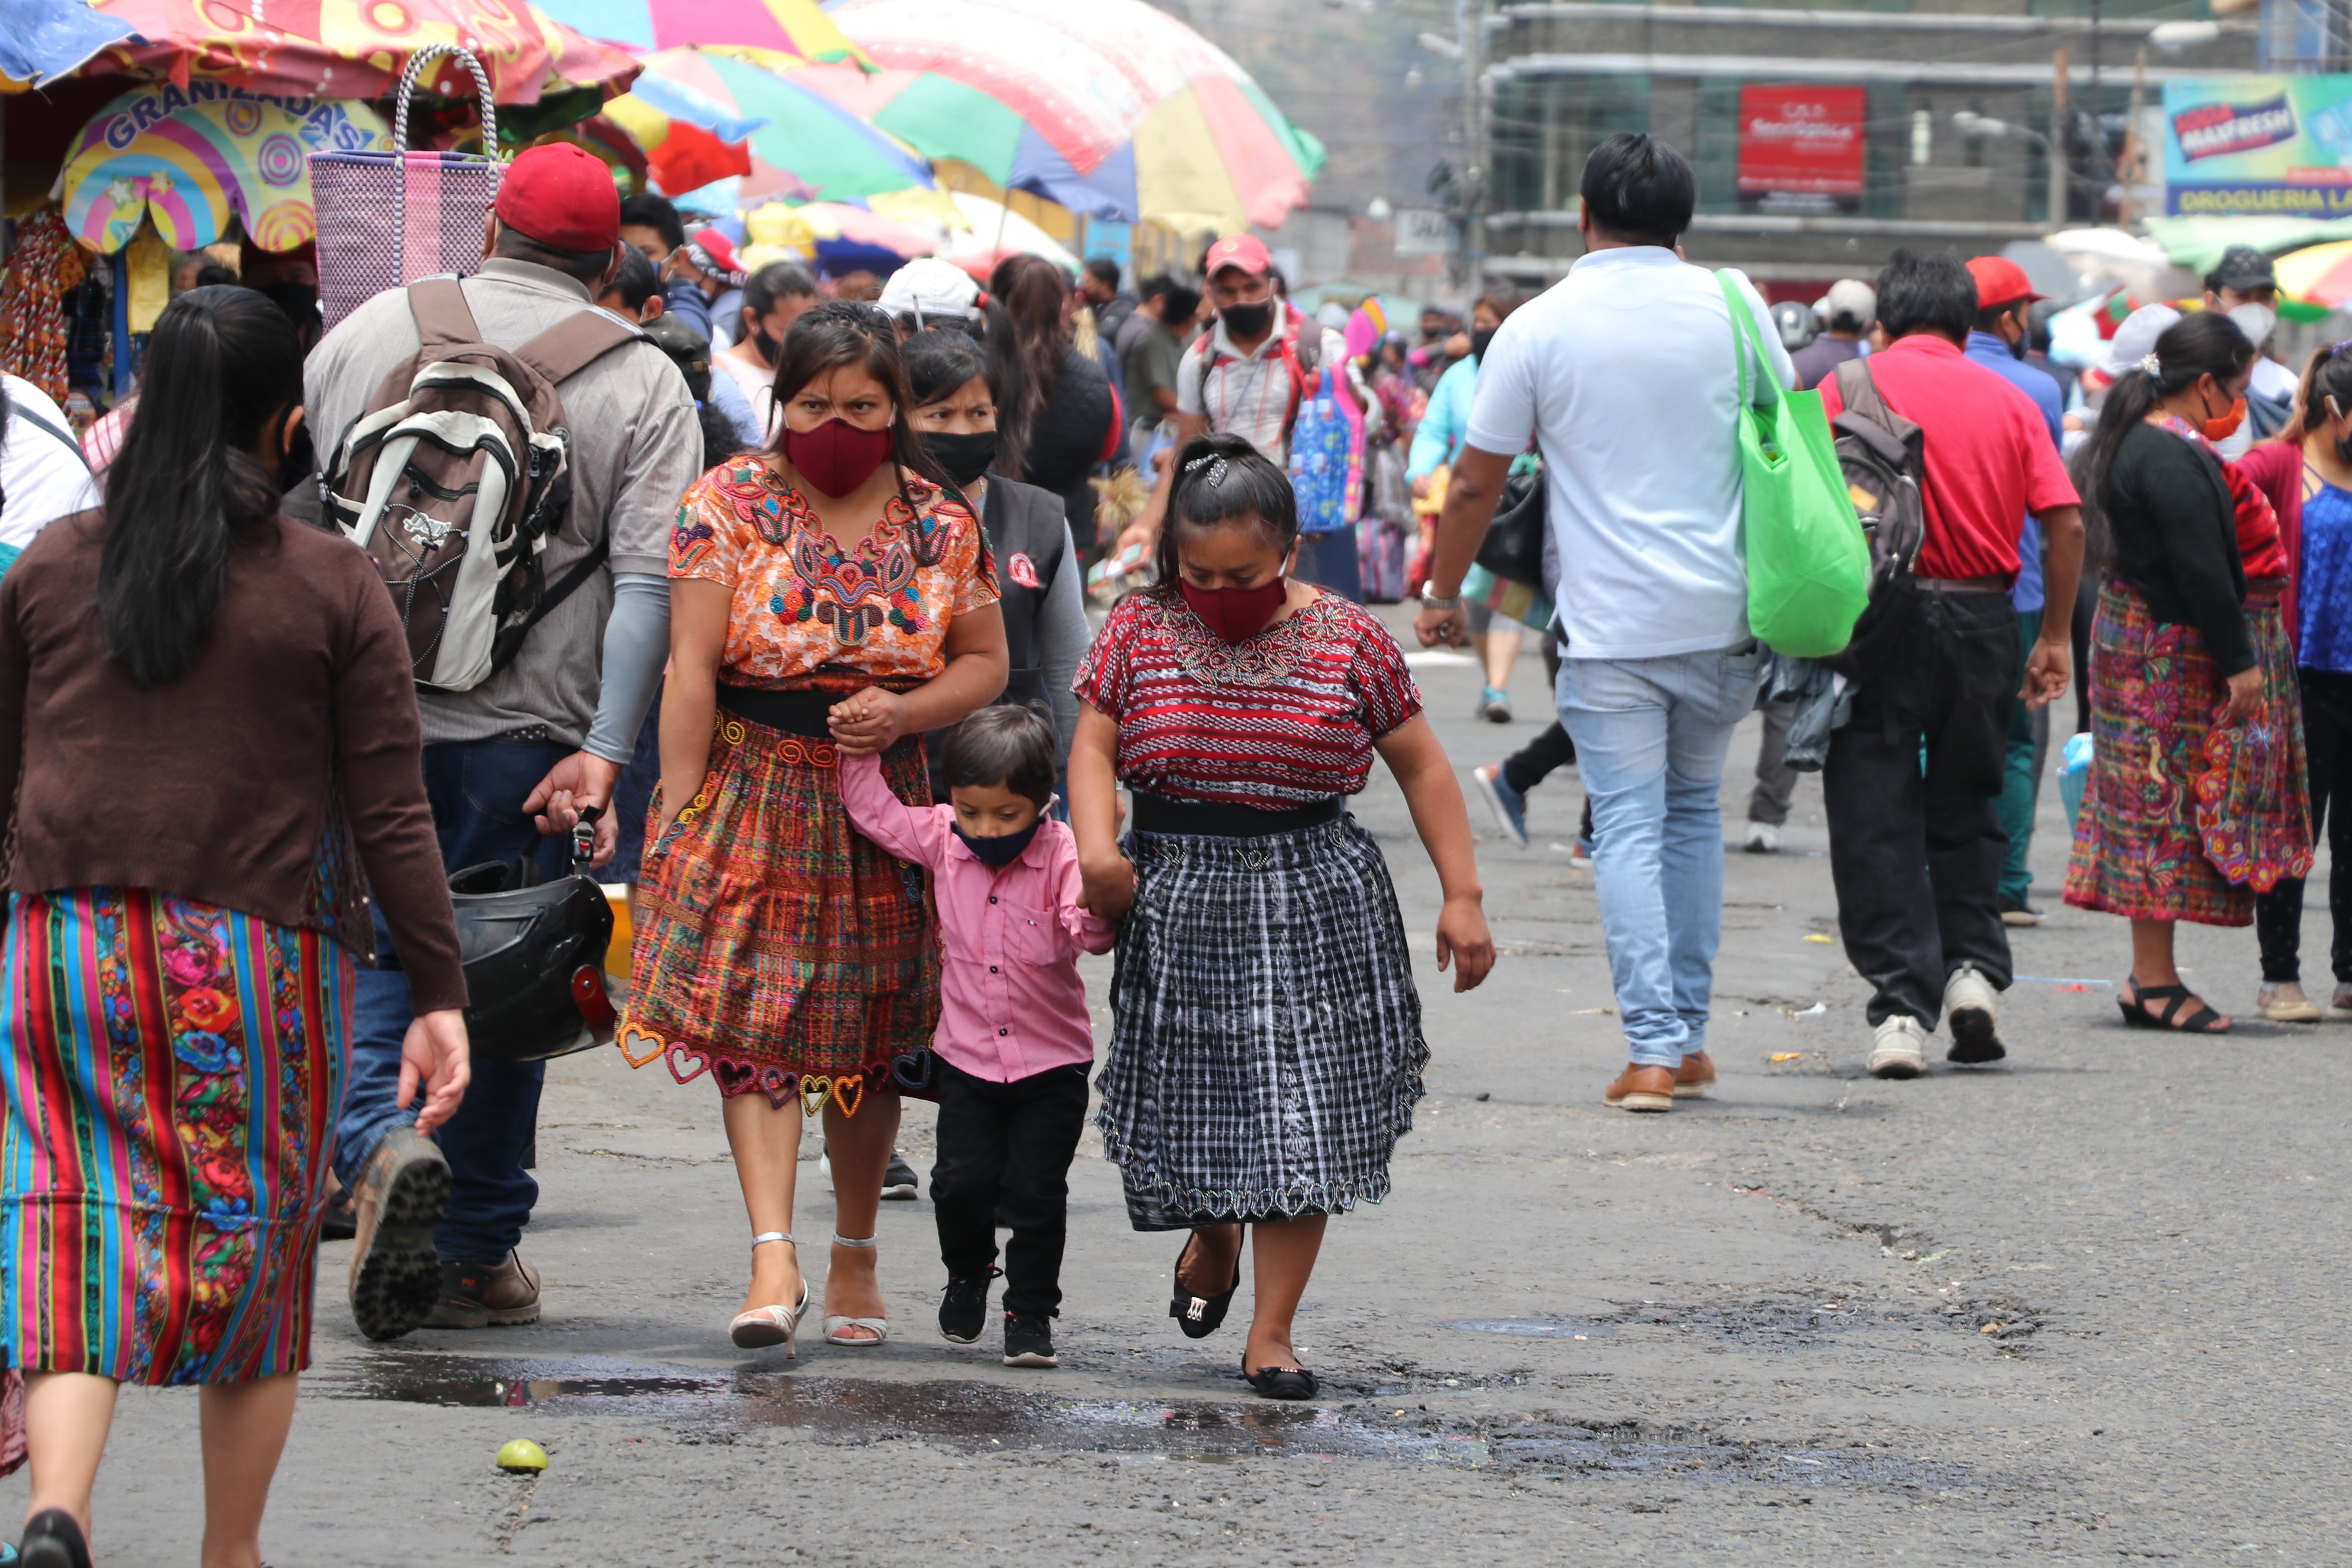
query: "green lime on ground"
522, 1454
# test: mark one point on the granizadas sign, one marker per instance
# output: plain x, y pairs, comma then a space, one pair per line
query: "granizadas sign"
2259, 144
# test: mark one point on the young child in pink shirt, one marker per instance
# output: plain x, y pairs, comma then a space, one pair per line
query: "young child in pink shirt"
1015, 1043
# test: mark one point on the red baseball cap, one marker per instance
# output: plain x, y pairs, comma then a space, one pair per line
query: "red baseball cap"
718, 247
1247, 251
563, 198
2001, 281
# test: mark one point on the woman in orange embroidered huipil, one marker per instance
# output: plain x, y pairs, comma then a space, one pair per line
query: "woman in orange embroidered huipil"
831, 596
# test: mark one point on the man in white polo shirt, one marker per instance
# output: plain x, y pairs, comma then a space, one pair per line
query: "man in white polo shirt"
1625, 373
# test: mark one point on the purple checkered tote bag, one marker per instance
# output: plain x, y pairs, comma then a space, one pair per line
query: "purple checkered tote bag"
386, 219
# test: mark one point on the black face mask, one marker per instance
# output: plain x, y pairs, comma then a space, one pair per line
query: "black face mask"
770, 349
1479, 341
966, 457
1248, 321
999, 853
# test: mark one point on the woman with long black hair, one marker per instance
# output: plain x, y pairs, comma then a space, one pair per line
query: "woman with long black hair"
830, 596
1066, 417
208, 729
2196, 793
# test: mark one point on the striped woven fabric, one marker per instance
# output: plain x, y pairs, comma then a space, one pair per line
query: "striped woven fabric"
171, 1070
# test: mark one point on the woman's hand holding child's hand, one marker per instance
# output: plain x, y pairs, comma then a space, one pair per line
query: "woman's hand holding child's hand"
1109, 887
869, 722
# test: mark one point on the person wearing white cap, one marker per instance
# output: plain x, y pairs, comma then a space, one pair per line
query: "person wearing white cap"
927, 290
1851, 307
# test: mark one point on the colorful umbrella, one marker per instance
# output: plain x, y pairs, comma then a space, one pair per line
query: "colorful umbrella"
2321, 275
1123, 112
352, 48
689, 139
193, 166
803, 141
843, 236
792, 28
41, 40
996, 233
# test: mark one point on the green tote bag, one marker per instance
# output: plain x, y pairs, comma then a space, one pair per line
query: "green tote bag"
1808, 564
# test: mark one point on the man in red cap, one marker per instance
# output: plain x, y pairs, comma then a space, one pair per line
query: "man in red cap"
511, 762
1247, 376
1916, 854
2004, 330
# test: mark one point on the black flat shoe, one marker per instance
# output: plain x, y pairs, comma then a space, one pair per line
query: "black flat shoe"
52, 1539
1280, 1382
1200, 1316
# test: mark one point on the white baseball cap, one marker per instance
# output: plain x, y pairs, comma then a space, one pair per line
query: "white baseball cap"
2135, 339
928, 287
1853, 298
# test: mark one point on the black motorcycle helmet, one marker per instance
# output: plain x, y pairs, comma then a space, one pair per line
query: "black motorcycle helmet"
534, 956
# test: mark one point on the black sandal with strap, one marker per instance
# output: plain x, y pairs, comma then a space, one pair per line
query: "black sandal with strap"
1200, 1316
1280, 1382
2136, 1014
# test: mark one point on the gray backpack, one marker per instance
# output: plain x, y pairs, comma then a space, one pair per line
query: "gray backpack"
458, 475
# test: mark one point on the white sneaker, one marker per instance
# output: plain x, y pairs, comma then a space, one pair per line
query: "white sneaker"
1899, 1048
1969, 1011
1763, 838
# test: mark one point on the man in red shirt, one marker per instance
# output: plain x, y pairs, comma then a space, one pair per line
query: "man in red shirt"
1916, 859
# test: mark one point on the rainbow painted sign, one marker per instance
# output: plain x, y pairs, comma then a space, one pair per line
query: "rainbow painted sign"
192, 157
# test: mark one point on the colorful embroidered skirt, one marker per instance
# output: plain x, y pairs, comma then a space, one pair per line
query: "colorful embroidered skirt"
2172, 800
1265, 1051
172, 1072
777, 948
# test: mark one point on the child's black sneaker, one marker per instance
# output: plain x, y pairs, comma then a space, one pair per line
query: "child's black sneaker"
1029, 1340
964, 1307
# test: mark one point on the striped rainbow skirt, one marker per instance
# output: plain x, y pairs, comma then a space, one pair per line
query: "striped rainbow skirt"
172, 1071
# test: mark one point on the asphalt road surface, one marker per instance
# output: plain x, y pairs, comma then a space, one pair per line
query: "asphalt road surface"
2083, 1306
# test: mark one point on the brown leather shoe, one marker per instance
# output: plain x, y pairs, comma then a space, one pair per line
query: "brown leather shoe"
1640, 1087
395, 1271
501, 1295
1696, 1076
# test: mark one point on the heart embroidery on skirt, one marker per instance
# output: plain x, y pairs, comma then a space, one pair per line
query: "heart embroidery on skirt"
734, 1078
686, 1064
632, 1035
915, 1069
849, 1093
812, 1092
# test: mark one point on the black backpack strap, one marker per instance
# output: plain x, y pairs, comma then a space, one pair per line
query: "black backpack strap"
509, 641
575, 342
43, 425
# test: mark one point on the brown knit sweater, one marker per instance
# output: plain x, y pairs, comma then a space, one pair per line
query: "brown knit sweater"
220, 786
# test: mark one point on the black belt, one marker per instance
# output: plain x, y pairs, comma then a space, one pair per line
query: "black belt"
793, 712
1202, 819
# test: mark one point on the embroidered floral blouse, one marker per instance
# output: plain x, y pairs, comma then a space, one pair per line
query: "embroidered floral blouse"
1284, 718
803, 601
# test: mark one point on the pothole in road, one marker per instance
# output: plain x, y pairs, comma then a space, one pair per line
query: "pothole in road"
973, 1417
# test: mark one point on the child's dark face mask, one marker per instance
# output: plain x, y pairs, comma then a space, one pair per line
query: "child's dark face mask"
996, 824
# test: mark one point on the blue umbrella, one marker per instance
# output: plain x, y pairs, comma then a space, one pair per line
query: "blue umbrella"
41, 40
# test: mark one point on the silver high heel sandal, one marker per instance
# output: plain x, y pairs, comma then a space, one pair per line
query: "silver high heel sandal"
834, 1326
763, 1327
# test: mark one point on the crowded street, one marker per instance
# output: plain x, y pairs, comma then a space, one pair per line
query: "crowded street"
2078, 1309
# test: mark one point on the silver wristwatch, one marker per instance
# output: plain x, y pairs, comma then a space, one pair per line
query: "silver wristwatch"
1430, 601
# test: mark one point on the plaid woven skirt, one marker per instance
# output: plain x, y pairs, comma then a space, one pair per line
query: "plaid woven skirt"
777, 948
172, 1072
1265, 1051
2182, 819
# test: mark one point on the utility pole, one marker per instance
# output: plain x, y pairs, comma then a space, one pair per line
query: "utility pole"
2127, 166
1470, 32
2058, 212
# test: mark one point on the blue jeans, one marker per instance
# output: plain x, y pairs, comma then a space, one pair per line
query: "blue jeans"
476, 789
1651, 735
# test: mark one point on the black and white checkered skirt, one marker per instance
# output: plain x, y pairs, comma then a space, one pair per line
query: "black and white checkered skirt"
1265, 1049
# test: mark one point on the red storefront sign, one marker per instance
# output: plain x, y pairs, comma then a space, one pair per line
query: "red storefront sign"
1801, 141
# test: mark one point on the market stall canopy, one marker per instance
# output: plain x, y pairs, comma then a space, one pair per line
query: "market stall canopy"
354, 48
2196, 244
843, 236
193, 166
803, 143
2137, 264
2319, 275
41, 40
792, 28
1112, 108
688, 137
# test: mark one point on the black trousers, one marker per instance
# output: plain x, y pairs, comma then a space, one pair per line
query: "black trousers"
2328, 762
1548, 752
1006, 1148
1915, 856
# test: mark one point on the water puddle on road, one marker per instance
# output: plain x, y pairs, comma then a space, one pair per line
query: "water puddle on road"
1529, 1328
976, 1417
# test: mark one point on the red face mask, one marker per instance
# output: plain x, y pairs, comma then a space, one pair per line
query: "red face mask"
837, 457
1235, 615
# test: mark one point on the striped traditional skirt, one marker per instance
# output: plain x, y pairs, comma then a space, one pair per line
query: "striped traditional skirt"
1265, 1048
172, 1071
777, 948
2183, 819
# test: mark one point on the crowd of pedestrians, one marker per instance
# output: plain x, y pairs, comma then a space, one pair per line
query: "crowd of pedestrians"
795, 643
